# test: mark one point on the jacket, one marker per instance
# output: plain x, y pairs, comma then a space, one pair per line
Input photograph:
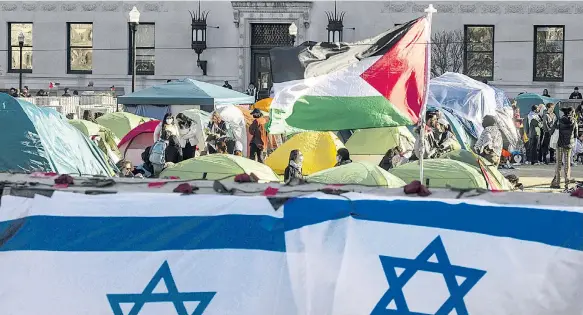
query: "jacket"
549, 123
534, 125
173, 151
567, 132
292, 174
258, 133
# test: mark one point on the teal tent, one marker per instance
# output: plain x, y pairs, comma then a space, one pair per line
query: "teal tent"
40, 139
526, 100
156, 101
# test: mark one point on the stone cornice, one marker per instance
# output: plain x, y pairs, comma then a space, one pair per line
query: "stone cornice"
82, 6
476, 7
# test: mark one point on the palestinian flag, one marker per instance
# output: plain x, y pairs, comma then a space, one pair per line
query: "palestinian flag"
378, 82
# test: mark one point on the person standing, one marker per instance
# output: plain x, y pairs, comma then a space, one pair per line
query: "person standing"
534, 132
252, 90
548, 124
217, 131
190, 136
258, 136
567, 128
546, 93
490, 143
576, 95
227, 85
167, 124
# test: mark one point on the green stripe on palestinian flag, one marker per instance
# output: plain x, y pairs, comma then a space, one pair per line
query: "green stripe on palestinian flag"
379, 82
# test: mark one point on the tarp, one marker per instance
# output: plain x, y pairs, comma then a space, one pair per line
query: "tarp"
121, 123
471, 99
443, 173
137, 140
219, 166
494, 179
357, 173
319, 150
107, 142
186, 92
38, 139
155, 253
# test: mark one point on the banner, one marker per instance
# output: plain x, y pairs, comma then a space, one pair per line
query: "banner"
320, 254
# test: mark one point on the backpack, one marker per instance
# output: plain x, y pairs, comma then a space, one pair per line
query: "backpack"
158, 152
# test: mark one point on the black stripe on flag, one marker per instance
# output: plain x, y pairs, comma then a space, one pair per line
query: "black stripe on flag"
312, 59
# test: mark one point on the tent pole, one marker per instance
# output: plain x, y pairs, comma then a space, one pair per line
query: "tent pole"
430, 10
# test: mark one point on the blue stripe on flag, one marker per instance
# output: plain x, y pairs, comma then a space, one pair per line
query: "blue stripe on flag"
551, 227
53, 233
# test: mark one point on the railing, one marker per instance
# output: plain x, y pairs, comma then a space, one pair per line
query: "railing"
76, 104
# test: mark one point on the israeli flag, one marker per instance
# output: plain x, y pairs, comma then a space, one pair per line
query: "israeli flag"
361, 254
142, 254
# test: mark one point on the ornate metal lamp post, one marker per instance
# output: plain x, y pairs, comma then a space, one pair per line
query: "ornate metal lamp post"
335, 25
134, 21
20, 44
199, 36
293, 32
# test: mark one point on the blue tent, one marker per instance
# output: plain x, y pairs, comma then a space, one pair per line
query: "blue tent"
156, 101
526, 100
39, 139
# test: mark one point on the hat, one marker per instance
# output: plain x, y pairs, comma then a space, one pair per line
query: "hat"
256, 113
576, 88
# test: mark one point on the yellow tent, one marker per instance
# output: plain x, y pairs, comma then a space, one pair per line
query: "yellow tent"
263, 105
319, 150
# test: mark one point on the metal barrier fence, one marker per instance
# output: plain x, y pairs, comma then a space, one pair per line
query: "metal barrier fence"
76, 104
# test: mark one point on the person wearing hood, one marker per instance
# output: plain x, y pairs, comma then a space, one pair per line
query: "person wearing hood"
567, 129
546, 93
489, 145
167, 124
342, 157
391, 158
293, 171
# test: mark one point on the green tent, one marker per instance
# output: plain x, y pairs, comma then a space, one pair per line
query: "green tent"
443, 173
357, 173
372, 144
219, 166
107, 140
120, 123
498, 181
40, 139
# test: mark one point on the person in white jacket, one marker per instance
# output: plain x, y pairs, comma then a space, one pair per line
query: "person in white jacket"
167, 124
190, 135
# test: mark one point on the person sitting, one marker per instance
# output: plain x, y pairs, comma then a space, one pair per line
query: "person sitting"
217, 130
126, 168
13, 92
342, 157
446, 141
222, 147
293, 171
25, 92
490, 143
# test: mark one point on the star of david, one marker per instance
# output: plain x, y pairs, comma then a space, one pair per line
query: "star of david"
422, 263
173, 296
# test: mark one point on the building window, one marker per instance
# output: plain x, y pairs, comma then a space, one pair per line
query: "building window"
80, 47
549, 53
479, 51
145, 49
14, 30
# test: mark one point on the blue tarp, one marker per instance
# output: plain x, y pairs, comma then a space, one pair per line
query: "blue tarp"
526, 100
186, 92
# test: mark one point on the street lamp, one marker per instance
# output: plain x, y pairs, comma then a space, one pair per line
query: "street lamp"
134, 21
198, 27
293, 32
20, 44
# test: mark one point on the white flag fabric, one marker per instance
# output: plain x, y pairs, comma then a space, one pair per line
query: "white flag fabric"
372, 255
317, 255
142, 254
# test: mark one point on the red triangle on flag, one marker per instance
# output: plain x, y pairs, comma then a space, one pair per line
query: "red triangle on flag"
400, 75
51, 85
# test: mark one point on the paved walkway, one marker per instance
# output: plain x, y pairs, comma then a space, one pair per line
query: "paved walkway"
539, 177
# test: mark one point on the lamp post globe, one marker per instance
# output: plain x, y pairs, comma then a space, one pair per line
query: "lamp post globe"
134, 16
293, 32
20, 45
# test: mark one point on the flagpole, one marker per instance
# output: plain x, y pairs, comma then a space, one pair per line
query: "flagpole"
429, 11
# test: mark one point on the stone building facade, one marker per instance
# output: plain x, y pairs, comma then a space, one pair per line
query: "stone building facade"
520, 46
